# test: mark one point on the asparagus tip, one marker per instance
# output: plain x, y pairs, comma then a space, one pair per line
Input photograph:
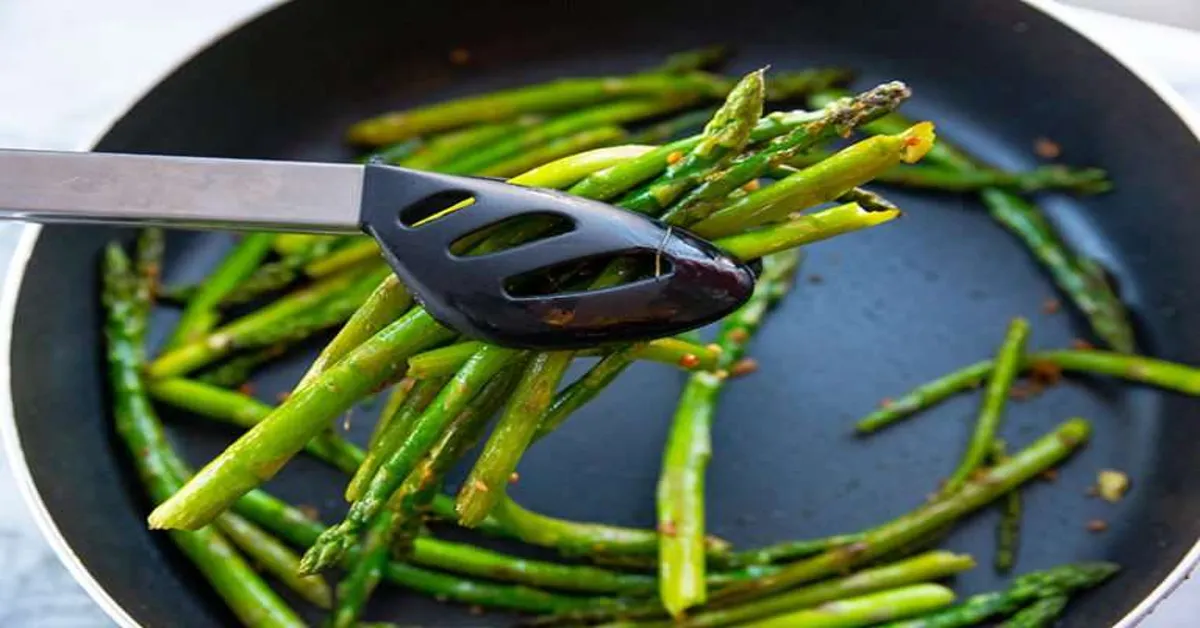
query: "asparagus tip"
329, 548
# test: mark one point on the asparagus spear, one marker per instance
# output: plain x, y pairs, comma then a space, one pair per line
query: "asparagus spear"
392, 436
1073, 273
1052, 582
148, 253
1040, 614
924, 568
840, 173
804, 229
488, 479
270, 322
694, 59
201, 313
866, 610
979, 491
788, 551
557, 148
946, 179
609, 113
680, 495
726, 134
364, 573
244, 411
445, 148
353, 253
251, 600
237, 370
685, 354
275, 557
836, 119
552, 96
1008, 360
1168, 375
1008, 530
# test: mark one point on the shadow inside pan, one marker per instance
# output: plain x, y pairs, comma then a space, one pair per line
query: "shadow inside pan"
874, 314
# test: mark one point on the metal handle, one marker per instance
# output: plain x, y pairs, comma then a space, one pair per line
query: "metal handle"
47, 186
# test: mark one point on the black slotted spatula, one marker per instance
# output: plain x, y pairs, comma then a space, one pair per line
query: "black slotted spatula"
694, 283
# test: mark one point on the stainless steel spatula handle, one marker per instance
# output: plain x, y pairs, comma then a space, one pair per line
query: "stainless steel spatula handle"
47, 186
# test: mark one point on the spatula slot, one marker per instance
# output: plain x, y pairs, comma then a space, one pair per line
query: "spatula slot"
511, 232
578, 276
434, 206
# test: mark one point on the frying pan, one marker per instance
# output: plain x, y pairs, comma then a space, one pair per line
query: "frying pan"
898, 305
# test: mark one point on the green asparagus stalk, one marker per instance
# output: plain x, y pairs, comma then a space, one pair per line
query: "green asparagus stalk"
274, 557
245, 411
1008, 530
488, 479
445, 361
823, 182
364, 573
1025, 589
680, 497
726, 134
584, 389
670, 129
387, 303
946, 179
147, 268
280, 274
603, 114
788, 551
446, 147
804, 229
1162, 374
1008, 361
202, 313
924, 568
238, 370
579, 141
396, 398
866, 610
399, 426
250, 599
568, 171
238, 333
1040, 614
559, 95
1073, 273
985, 487
451, 400
836, 119
353, 253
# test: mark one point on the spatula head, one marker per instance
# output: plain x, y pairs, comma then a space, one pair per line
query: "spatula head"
687, 282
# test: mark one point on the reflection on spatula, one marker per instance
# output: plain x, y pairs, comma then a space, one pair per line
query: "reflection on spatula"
692, 283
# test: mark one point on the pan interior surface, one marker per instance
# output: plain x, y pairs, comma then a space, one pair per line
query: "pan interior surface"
875, 313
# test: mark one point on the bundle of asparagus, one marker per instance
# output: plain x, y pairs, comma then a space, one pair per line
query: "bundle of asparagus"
757, 185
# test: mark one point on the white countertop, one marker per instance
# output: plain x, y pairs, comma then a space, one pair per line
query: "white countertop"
69, 67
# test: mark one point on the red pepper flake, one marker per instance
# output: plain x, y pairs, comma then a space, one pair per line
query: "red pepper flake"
1045, 373
715, 348
1046, 148
283, 396
739, 335
1051, 306
460, 56
667, 528
689, 361
246, 388
1079, 344
1097, 526
886, 402
674, 157
1049, 475
751, 186
513, 477
744, 366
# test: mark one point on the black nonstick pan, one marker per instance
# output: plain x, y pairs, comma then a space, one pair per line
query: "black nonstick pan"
897, 305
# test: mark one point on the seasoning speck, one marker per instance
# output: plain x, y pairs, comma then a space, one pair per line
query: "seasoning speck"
1111, 485
513, 477
1051, 306
1046, 148
1097, 526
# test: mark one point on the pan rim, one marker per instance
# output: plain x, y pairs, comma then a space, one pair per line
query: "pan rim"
28, 237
